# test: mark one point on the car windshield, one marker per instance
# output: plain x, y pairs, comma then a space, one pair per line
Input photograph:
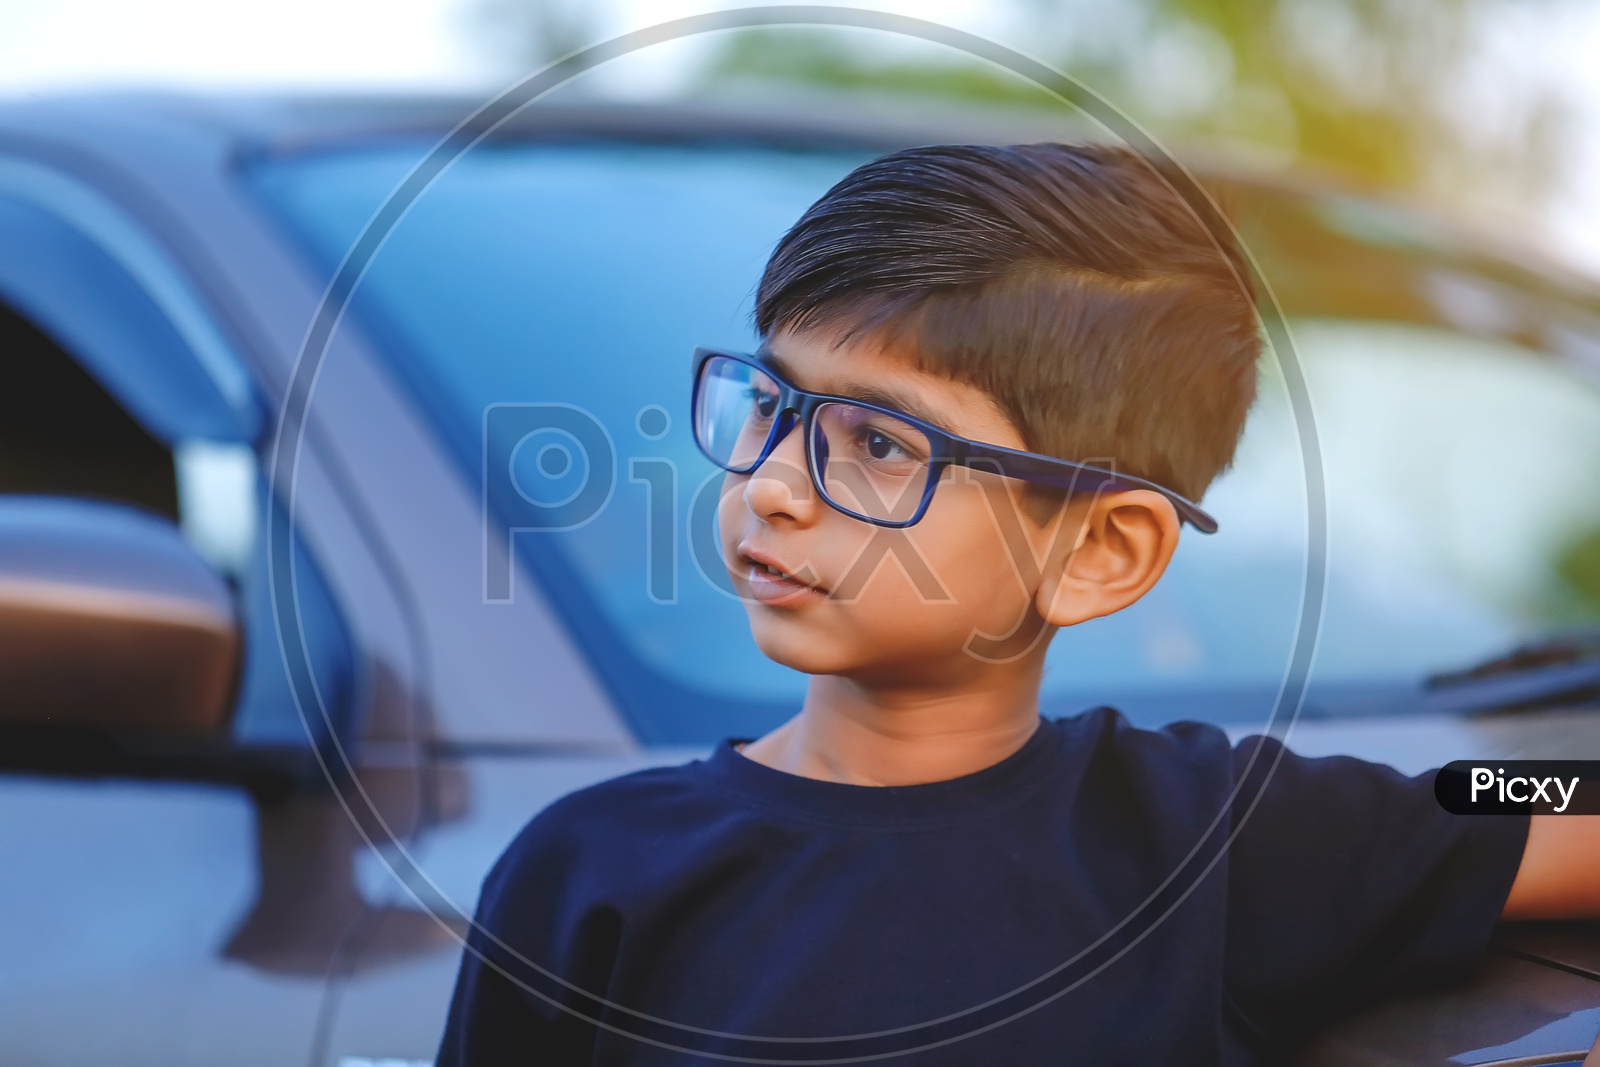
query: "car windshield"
1459, 470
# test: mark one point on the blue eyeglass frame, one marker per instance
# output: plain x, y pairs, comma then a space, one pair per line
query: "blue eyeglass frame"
796, 406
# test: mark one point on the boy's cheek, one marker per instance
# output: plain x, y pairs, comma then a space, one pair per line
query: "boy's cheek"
932, 605
964, 546
925, 587
731, 520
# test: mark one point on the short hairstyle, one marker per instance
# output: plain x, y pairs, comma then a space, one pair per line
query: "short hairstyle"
1072, 283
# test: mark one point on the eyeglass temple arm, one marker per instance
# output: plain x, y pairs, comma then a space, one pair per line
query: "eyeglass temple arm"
1075, 477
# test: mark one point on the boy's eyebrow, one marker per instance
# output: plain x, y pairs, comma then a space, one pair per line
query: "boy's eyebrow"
866, 393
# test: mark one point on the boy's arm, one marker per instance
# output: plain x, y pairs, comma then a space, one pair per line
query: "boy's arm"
1348, 883
1559, 877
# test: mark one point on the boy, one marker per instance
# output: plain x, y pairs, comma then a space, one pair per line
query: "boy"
918, 867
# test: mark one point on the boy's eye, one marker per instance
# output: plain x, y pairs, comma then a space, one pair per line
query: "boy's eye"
883, 447
889, 453
763, 402
874, 442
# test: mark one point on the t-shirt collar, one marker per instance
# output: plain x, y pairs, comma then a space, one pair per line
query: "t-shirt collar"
890, 806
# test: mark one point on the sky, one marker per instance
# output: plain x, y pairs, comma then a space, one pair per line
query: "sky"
54, 45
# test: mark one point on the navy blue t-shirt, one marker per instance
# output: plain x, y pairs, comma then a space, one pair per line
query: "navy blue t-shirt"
1104, 895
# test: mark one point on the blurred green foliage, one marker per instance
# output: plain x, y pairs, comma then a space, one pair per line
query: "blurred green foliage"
1400, 94
1427, 96
1578, 568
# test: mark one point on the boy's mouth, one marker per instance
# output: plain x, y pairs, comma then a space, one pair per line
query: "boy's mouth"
771, 582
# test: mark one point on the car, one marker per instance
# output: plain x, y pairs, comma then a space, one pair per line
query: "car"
348, 516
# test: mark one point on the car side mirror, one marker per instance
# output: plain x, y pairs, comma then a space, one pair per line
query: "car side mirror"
109, 620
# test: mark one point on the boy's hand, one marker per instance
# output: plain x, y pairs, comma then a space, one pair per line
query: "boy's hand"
1560, 873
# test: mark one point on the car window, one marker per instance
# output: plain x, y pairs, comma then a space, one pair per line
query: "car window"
90, 278
584, 275
108, 394
61, 432
104, 396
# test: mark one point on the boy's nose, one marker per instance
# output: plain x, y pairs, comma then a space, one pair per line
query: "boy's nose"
781, 485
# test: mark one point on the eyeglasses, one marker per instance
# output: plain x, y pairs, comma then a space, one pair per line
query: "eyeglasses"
870, 462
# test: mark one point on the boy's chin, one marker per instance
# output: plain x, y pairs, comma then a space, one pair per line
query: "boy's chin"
786, 641
804, 652
798, 643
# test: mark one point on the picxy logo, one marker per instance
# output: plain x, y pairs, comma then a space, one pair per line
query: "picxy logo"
1519, 787
1516, 789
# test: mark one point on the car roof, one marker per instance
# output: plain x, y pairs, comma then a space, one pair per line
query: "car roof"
1326, 247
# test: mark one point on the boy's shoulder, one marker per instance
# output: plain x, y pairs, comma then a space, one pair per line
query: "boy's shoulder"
636, 802
1175, 759
639, 790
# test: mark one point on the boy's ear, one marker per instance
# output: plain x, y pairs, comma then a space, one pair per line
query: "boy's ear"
1111, 549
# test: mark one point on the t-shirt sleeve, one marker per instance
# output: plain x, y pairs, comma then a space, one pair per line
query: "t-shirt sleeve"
538, 948
1347, 882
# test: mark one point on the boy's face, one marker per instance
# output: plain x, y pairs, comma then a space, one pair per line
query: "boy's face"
878, 604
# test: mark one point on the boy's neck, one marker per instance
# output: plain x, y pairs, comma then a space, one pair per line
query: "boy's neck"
858, 736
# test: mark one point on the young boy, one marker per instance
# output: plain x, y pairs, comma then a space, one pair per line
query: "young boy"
918, 867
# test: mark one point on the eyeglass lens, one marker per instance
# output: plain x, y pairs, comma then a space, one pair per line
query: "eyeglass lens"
865, 462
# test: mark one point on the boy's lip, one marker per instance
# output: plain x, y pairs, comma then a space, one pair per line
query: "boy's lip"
777, 586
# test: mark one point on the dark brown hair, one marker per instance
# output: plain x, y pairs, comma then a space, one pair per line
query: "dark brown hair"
1070, 282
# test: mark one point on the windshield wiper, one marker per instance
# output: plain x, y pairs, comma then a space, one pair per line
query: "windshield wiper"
1560, 670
